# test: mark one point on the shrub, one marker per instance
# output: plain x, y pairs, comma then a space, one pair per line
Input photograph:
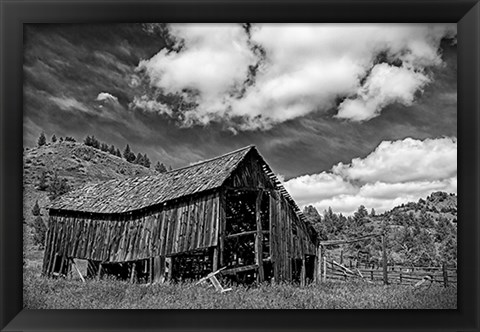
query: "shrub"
36, 209
39, 230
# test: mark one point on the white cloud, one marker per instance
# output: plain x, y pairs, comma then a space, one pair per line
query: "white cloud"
105, 96
148, 105
404, 161
305, 68
385, 85
394, 173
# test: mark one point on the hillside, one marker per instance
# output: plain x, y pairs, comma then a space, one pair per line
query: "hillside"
78, 164
421, 233
437, 204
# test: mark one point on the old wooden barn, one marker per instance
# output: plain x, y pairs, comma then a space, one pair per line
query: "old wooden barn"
230, 211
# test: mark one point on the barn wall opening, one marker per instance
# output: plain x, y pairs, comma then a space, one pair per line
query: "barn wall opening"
241, 233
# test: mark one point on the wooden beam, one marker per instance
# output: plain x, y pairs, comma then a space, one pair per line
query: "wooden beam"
99, 274
240, 269
222, 206
259, 237
245, 233
76, 269
215, 258
318, 263
303, 274
335, 242
132, 273
324, 269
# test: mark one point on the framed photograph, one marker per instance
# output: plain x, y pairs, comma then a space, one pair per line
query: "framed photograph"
159, 157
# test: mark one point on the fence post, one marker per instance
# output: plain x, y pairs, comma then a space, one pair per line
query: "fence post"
324, 268
384, 259
445, 275
318, 276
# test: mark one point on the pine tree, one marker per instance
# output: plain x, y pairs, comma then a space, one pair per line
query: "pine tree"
42, 182
146, 161
170, 168
36, 209
42, 140
160, 167
61, 139
111, 150
54, 138
58, 187
39, 230
88, 141
128, 154
118, 153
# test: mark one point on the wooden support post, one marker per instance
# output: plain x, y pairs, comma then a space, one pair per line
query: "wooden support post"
62, 265
169, 271
445, 275
384, 260
222, 206
99, 274
259, 237
303, 274
159, 269
215, 258
341, 256
150, 270
132, 273
324, 269
318, 263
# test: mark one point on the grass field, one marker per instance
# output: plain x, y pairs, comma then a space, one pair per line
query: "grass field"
42, 293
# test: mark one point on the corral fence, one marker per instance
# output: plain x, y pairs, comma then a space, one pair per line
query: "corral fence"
399, 275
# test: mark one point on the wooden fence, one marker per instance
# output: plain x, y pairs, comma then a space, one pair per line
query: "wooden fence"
396, 274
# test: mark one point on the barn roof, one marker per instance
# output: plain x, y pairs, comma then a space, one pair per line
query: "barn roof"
125, 195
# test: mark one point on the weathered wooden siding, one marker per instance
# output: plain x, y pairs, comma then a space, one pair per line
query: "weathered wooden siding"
288, 236
250, 174
186, 226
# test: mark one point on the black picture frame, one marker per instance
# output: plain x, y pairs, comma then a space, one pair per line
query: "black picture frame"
15, 13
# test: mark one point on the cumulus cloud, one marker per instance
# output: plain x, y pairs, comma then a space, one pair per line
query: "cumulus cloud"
385, 85
394, 173
270, 73
105, 96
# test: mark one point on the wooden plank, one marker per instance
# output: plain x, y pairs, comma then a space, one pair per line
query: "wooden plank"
222, 205
158, 269
336, 242
259, 237
76, 269
303, 275
240, 269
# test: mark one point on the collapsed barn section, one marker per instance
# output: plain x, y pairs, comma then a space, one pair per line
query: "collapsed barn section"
228, 212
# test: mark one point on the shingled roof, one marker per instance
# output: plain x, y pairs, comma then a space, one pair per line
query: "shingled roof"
124, 195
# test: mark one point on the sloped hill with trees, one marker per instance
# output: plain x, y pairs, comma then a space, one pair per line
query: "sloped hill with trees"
417, 234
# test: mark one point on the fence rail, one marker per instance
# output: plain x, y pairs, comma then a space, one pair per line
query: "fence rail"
396, 275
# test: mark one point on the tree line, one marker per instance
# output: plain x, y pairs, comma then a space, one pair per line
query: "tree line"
412, 239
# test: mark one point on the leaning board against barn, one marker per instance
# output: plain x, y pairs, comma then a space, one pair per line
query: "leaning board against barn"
230, 211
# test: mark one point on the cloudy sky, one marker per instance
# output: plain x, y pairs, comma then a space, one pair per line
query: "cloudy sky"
345, 114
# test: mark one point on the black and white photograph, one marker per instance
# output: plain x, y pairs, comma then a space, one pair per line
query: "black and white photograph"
240, 166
